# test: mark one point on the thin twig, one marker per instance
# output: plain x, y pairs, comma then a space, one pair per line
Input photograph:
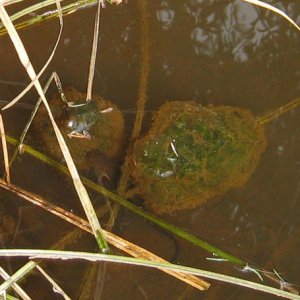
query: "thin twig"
15, 286
17, 275
32, 115
93, 54
55, 285
4, 149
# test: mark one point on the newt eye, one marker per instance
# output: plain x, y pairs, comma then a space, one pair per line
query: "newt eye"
72, 124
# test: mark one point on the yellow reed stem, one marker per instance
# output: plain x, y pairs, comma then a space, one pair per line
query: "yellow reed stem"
271, 115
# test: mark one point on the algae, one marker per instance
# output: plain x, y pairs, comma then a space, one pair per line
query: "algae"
193, 153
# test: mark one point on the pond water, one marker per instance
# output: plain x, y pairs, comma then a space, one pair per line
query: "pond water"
212, 52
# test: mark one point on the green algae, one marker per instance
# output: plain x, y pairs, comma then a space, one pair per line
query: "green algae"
193, 153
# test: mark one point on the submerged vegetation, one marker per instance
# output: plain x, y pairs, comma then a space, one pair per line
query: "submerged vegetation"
193, 153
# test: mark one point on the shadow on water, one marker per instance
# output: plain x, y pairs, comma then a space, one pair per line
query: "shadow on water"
212, 52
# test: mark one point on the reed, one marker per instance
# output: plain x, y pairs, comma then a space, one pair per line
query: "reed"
121, 191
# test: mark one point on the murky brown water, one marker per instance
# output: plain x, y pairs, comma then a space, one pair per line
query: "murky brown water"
213, 52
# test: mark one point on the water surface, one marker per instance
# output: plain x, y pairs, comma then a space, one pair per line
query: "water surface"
212, 52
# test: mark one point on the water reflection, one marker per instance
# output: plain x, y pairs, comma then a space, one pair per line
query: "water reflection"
235, 27
165, 15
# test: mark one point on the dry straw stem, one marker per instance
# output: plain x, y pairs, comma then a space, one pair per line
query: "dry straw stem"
67, 9
28, 267
113, 239
10, 281
52, 254
5, 152
8, 2
273, 9
93, 54
32, 115
31, 10
25, 59
54, 284
81, 191
14, 286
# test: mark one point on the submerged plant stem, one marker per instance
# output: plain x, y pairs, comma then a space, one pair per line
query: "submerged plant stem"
271, 115
145, 67
160, 222
142, 90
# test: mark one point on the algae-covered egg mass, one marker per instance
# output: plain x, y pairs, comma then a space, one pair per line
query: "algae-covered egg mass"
193, 153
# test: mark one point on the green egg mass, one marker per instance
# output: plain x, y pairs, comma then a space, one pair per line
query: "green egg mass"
193, 153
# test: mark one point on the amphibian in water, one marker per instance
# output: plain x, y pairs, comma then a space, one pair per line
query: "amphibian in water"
104, 168
80, 120
98, 130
